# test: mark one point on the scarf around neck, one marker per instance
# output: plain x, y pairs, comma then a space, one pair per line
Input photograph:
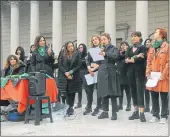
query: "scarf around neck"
41, 50
158, 43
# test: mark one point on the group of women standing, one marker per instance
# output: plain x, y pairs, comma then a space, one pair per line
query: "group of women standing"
125, 69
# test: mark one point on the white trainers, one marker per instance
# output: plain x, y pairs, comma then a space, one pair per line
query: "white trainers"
163, 121
154, 119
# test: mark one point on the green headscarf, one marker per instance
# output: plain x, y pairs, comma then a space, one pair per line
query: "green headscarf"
41, 50
158, 43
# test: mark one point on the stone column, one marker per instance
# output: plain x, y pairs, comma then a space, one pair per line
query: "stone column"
14, 43
142, 18
110, 20
34, 21
57, 26
81, 22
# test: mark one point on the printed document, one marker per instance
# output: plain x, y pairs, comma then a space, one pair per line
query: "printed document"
94, 52
153, 79
91, 79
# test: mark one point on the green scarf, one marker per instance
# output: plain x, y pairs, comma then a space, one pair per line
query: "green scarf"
158, 43
41, 50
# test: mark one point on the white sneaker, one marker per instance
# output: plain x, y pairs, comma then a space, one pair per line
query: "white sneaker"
163, 121
154, 119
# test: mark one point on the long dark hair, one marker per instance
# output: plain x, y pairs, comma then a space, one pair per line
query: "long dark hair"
84, 53
22, 55
37, 40
66, 49
147, 40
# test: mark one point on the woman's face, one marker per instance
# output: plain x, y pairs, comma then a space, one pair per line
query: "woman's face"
70, 47
148, 43
95, 41
12, 61
124, 47
18, 52
42, 42
157, 35
104, 40
32, 48
81, 48
135, 39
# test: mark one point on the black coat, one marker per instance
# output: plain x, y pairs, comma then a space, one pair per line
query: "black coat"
45, 62
108, 82
65, 65
17, 71
122, 69
137, 68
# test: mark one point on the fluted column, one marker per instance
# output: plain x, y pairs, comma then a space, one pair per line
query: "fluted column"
14, 43
81, 22
142, 18
57, 26
110, 20
34, 21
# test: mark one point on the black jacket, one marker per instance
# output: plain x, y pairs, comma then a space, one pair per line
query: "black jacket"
122, 68
17, 71
45, 62
138, 68
66, 65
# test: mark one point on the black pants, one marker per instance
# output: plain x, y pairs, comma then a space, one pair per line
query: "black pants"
147, 98
156, 106
70, 99
137, 85
128, 94
89, 92
79, 97
106, 104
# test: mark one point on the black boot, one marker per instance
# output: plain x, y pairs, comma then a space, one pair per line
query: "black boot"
87, 111
78, 105
135, 115
128, 108
142, 117
147, 109
95, 112
103, 115
70, 111
114, 116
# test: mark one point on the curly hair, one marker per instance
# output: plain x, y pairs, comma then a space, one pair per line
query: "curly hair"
91, 40
8, 61
66, 48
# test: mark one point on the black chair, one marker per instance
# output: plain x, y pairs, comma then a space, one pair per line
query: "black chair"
38, 116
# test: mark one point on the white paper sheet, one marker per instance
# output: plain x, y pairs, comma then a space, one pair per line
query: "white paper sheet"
91, 79
94, 52
153, 79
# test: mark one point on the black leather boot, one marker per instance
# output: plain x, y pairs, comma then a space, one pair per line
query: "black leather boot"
87, 111
147, 109
135, 115
78, 105
114, 116
103, 115
142, 117
128, 108
95, 112
70, 111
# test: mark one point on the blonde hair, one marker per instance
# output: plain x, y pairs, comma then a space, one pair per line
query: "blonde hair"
91, 42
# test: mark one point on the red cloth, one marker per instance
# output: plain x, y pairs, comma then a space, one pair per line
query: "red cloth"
19, 93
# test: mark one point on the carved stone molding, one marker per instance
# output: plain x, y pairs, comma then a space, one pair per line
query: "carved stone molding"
13, 3
34, 2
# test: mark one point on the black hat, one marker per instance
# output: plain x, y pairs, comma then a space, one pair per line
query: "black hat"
137, 33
